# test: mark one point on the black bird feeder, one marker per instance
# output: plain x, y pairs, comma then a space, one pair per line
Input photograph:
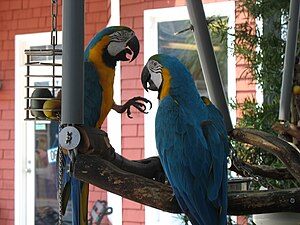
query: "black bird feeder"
38, 93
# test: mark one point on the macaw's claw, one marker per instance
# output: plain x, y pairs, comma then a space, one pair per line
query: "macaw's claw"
136, 102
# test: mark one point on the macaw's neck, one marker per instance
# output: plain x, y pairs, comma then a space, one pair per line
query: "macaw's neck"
104, 64
106, 74
166, 84
181, 89
98, 54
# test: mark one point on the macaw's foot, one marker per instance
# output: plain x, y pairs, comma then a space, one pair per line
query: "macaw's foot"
137, 102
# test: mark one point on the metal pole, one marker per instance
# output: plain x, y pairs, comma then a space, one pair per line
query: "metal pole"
208, 60
73, 48
289, 61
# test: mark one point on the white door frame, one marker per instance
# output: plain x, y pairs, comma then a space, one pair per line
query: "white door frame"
24, 132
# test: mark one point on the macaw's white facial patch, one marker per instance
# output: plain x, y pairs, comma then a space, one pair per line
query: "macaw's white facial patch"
155, 70
118, 42
156, 78
114, 48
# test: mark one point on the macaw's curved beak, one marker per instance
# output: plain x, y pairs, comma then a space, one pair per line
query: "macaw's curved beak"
147, 81
145, 78
134, 45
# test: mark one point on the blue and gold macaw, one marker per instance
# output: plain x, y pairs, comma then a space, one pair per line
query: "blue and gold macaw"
191, 140
100, 57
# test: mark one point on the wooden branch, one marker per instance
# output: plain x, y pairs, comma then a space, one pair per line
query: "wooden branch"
105, 175
95, 142
264, 171
98, 164
286, 152
256, 202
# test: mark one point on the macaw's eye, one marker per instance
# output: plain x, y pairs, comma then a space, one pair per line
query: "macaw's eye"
129, 35
154, 66
121, 36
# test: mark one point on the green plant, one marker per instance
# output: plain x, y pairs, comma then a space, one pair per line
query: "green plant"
262, 49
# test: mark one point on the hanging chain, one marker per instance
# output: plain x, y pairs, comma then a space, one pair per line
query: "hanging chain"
248, 171
60, 184
54, 12
60, 179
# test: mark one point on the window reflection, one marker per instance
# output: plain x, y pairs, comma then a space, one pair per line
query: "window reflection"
46, 147
45, 174
46, 204
183, 47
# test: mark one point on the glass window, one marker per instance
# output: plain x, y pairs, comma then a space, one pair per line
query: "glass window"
46, 147
46, 142
183, 47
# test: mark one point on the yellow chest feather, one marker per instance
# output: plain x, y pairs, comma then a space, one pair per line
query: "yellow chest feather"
166, 85
106, 78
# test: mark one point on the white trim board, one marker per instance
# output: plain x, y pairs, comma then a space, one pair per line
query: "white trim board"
114, 123
24, 132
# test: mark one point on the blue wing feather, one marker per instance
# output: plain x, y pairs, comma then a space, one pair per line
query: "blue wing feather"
217, 177
92, 95
192, 156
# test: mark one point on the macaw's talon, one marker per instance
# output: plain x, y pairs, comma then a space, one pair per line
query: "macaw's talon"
140, 106
139, 98
136, 103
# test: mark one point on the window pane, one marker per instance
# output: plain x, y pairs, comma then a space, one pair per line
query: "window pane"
46, 148
46, 204
45, 175
183, 47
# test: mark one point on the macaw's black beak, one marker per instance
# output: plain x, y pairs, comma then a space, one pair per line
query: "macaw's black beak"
134, 45
146, 80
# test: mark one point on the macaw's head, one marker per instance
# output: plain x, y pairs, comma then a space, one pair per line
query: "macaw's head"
112, 44
167, 75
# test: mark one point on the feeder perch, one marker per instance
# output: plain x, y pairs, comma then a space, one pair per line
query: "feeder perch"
39, 94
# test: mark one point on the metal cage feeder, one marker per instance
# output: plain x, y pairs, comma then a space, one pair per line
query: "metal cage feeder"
43, 88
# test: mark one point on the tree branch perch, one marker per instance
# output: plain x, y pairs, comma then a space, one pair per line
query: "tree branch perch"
284, 151
105, 175
264, 171
143, 180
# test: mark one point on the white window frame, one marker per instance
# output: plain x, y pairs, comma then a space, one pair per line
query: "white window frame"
151, 19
